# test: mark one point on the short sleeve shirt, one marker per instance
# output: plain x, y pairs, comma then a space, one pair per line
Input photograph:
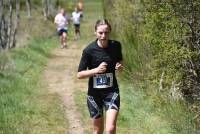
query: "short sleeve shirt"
76, 17
62, 21
93, 56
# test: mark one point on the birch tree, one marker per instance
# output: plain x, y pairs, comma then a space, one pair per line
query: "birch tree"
2, 23
28, 6
46, 9
8, 25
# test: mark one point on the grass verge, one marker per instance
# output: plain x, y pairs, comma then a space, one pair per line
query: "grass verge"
144, 114
25, 104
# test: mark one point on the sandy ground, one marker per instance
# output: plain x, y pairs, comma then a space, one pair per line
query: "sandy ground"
60, 74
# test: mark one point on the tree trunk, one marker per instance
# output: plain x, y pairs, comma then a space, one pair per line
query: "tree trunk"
8, 27
1, 23
1, 10
16, 24
9, 32
28, 6
46, 9
17, 11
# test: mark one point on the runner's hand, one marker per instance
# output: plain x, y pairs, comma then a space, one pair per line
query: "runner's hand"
119, 66
102, 67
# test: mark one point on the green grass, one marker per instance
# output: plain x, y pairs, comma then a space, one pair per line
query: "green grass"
144, 111
144, 114
25, 104
80, 100
141, 112
92, 12
137, 114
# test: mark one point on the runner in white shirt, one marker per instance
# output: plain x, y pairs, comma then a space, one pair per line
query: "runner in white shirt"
61, 20
76, 18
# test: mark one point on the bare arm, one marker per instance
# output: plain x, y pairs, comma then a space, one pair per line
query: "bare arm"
56, 20
88, 73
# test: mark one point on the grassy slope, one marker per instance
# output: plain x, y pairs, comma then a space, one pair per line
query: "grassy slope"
25, 106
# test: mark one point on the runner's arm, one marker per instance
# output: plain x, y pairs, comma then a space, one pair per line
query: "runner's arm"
86, 73
56, 20
89, 73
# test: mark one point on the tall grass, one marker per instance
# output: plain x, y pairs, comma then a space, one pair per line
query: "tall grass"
143, 113
144, 110
25, 104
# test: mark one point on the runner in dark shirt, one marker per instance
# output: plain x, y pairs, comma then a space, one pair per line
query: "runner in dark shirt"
98, 63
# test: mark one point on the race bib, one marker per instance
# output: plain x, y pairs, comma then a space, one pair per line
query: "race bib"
103, 80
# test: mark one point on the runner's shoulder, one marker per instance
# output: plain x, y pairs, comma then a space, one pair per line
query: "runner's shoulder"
91, 46
115, 44
88, 49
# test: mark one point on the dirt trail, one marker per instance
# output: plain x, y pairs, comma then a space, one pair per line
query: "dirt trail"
60, 74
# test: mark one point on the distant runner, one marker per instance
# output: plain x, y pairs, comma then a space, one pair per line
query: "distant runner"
76, 18
61, 20
80, 7
99, 61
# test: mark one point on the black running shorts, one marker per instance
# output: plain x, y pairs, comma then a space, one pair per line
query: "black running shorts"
61, 31
102, 99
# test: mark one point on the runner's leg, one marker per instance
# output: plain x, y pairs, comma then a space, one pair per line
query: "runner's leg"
64, 39
98, 126
61, 41
96, 113
111, 119
112, 104
78, 32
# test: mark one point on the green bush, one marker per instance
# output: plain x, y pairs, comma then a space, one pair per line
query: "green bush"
160, 46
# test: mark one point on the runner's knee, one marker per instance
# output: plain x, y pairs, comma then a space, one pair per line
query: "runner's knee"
98, 130
110, 129
64, 35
